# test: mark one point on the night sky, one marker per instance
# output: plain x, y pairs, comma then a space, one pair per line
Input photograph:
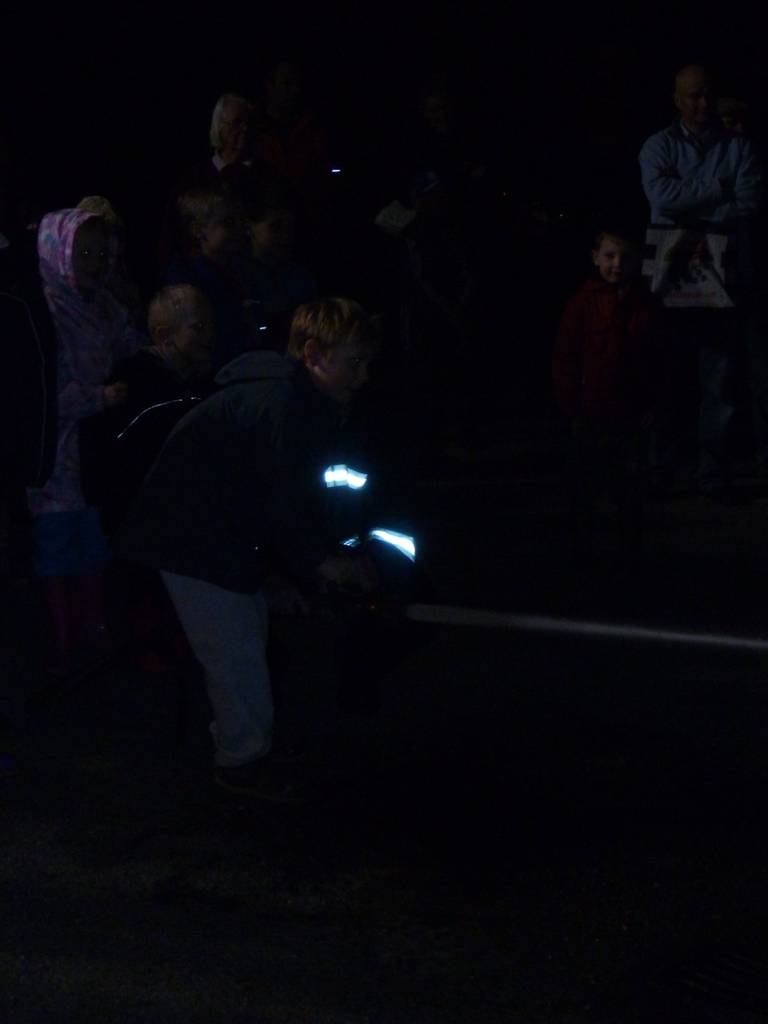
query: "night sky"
118, 101
586, 816
87, 92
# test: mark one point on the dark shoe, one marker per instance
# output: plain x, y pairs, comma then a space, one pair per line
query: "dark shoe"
98, 639
57, 667
291, 753
9, 766
155, 662
728, 495
259, 779
660, 483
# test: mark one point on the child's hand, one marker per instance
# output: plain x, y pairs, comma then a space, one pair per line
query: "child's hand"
647, 421
115, 394
283, 597
349, 572
368, 576
580, 429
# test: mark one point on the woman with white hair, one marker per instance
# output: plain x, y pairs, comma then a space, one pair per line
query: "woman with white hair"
230, 131
230, 168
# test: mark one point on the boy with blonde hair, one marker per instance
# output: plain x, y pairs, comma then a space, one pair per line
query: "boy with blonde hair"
232, 515
160, 381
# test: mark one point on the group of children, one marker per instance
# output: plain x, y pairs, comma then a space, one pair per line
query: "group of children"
237, 248
231, 512
249, 376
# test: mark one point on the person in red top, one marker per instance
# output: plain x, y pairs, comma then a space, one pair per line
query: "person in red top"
289, 139
606, 372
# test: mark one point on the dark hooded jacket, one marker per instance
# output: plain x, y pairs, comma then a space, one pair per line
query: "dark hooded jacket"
28, 444
237, 490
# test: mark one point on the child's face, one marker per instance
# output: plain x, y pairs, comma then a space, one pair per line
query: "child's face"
193, 338
272, 236
339, 373
221, 236
617, 261
90, 254
436, 111
735, 123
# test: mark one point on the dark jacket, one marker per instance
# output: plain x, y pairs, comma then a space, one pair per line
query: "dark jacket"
28, 438
149, 380
237, 491
119, 445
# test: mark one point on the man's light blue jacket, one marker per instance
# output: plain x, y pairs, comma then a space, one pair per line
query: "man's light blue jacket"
716, 180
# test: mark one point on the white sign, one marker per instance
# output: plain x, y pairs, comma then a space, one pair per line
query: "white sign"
687, 269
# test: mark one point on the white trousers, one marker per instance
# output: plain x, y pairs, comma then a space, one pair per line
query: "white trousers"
228, 635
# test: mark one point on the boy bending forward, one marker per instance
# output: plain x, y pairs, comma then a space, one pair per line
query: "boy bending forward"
232, 509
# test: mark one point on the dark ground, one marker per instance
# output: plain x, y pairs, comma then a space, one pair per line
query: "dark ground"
532, 829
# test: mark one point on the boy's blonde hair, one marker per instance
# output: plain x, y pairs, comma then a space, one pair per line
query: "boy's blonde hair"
170, 305
619, 233
332, 322
101, 207
200, 207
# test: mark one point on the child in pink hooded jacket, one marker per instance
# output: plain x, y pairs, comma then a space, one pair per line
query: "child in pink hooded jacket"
93, 331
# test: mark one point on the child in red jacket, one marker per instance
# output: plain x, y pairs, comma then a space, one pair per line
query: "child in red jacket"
606, 372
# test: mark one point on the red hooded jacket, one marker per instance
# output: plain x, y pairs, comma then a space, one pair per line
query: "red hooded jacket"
606, 365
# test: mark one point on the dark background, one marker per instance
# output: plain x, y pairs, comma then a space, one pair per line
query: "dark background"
530, 830
116, 100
